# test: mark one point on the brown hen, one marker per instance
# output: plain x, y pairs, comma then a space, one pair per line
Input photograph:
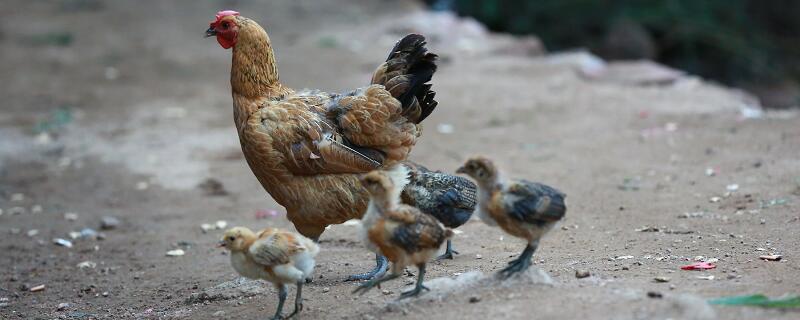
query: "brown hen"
308, 148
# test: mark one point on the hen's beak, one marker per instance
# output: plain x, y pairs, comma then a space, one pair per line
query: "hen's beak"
210, 32
221, 244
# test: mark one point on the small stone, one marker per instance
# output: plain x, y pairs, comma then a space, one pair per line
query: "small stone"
175, 253
17, 197
33, 232
105, 293
63, 242
474, 299
710, 172
71, 216
142, 185
87, 265
37, 288
62, 306
732, 187
88, 233
478, 256
36, 208
108, 223
654, 295
14, 211
771, 257
221, 224
582, 273
386, 292
714, 199
326, 290
206, 227
662, 279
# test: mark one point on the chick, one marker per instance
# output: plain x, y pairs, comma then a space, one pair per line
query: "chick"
278, 256
521, 208
451, 199
401, 233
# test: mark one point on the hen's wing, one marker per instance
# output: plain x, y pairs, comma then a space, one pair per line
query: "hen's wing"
534, 202
449, 198
416, 231
384, 116
275, 248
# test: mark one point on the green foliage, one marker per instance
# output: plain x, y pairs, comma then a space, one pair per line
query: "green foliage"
730, 40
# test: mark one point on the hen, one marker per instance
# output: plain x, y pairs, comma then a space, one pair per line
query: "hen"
308, 148
523, 209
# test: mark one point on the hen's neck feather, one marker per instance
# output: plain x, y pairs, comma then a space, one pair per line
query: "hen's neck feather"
254, 72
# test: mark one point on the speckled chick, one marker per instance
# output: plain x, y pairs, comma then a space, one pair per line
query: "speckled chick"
523, 209
402, 233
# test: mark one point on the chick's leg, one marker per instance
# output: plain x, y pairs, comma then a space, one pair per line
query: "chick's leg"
381, 264
298, 300
366, 286
419, 286
448, 253
282, 293
521, 263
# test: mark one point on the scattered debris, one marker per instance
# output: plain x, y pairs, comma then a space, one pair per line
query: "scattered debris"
16, 197
773, 202
647, 229
714, 199
267, 213
33, 232
86, 265
705, 277
213, 187
654, 295
582, 273
445, 128
142, 185
662, 279
175, 253
70, 216
630, 184
108, 223
326, 289
623, 258
699, 266
62, 306
206, 227
732, 187
63, 242
474, 299
771, 257
687, 215
711, 172
221, 224
759, 300
478, 256
37, 288
37, 208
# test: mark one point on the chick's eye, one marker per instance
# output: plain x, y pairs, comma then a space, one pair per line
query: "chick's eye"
231, 238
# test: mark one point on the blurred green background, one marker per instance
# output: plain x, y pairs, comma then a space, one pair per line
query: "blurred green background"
745, 43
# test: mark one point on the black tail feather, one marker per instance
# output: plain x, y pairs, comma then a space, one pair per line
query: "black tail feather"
410, 54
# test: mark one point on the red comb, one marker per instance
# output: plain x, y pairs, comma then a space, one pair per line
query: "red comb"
226, 13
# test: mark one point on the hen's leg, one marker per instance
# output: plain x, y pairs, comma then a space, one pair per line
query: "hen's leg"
381, 264
520, 264
448, 253
282, 293
298, 300
418, 287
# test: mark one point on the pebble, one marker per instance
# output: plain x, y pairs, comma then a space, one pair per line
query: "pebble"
63, 242
478, 256
221, 224
18, 197
771, 257
17, 211
386, 292
142, 185
326, 290
662, 279
654, 295
175, 253
87, 264
582, 273
105, 293
62, 306
37, 288
71, 216
36, 208
732, 187
474, 299
33, 232
108, 223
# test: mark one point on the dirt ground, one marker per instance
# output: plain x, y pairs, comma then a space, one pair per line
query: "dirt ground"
122, 109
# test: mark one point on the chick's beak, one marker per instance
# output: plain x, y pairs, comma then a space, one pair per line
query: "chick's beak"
461, 170
221, 244
210, 32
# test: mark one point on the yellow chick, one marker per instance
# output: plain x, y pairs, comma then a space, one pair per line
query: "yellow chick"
401, 233
278, 256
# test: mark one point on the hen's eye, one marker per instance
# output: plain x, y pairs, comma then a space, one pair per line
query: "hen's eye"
225, 25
